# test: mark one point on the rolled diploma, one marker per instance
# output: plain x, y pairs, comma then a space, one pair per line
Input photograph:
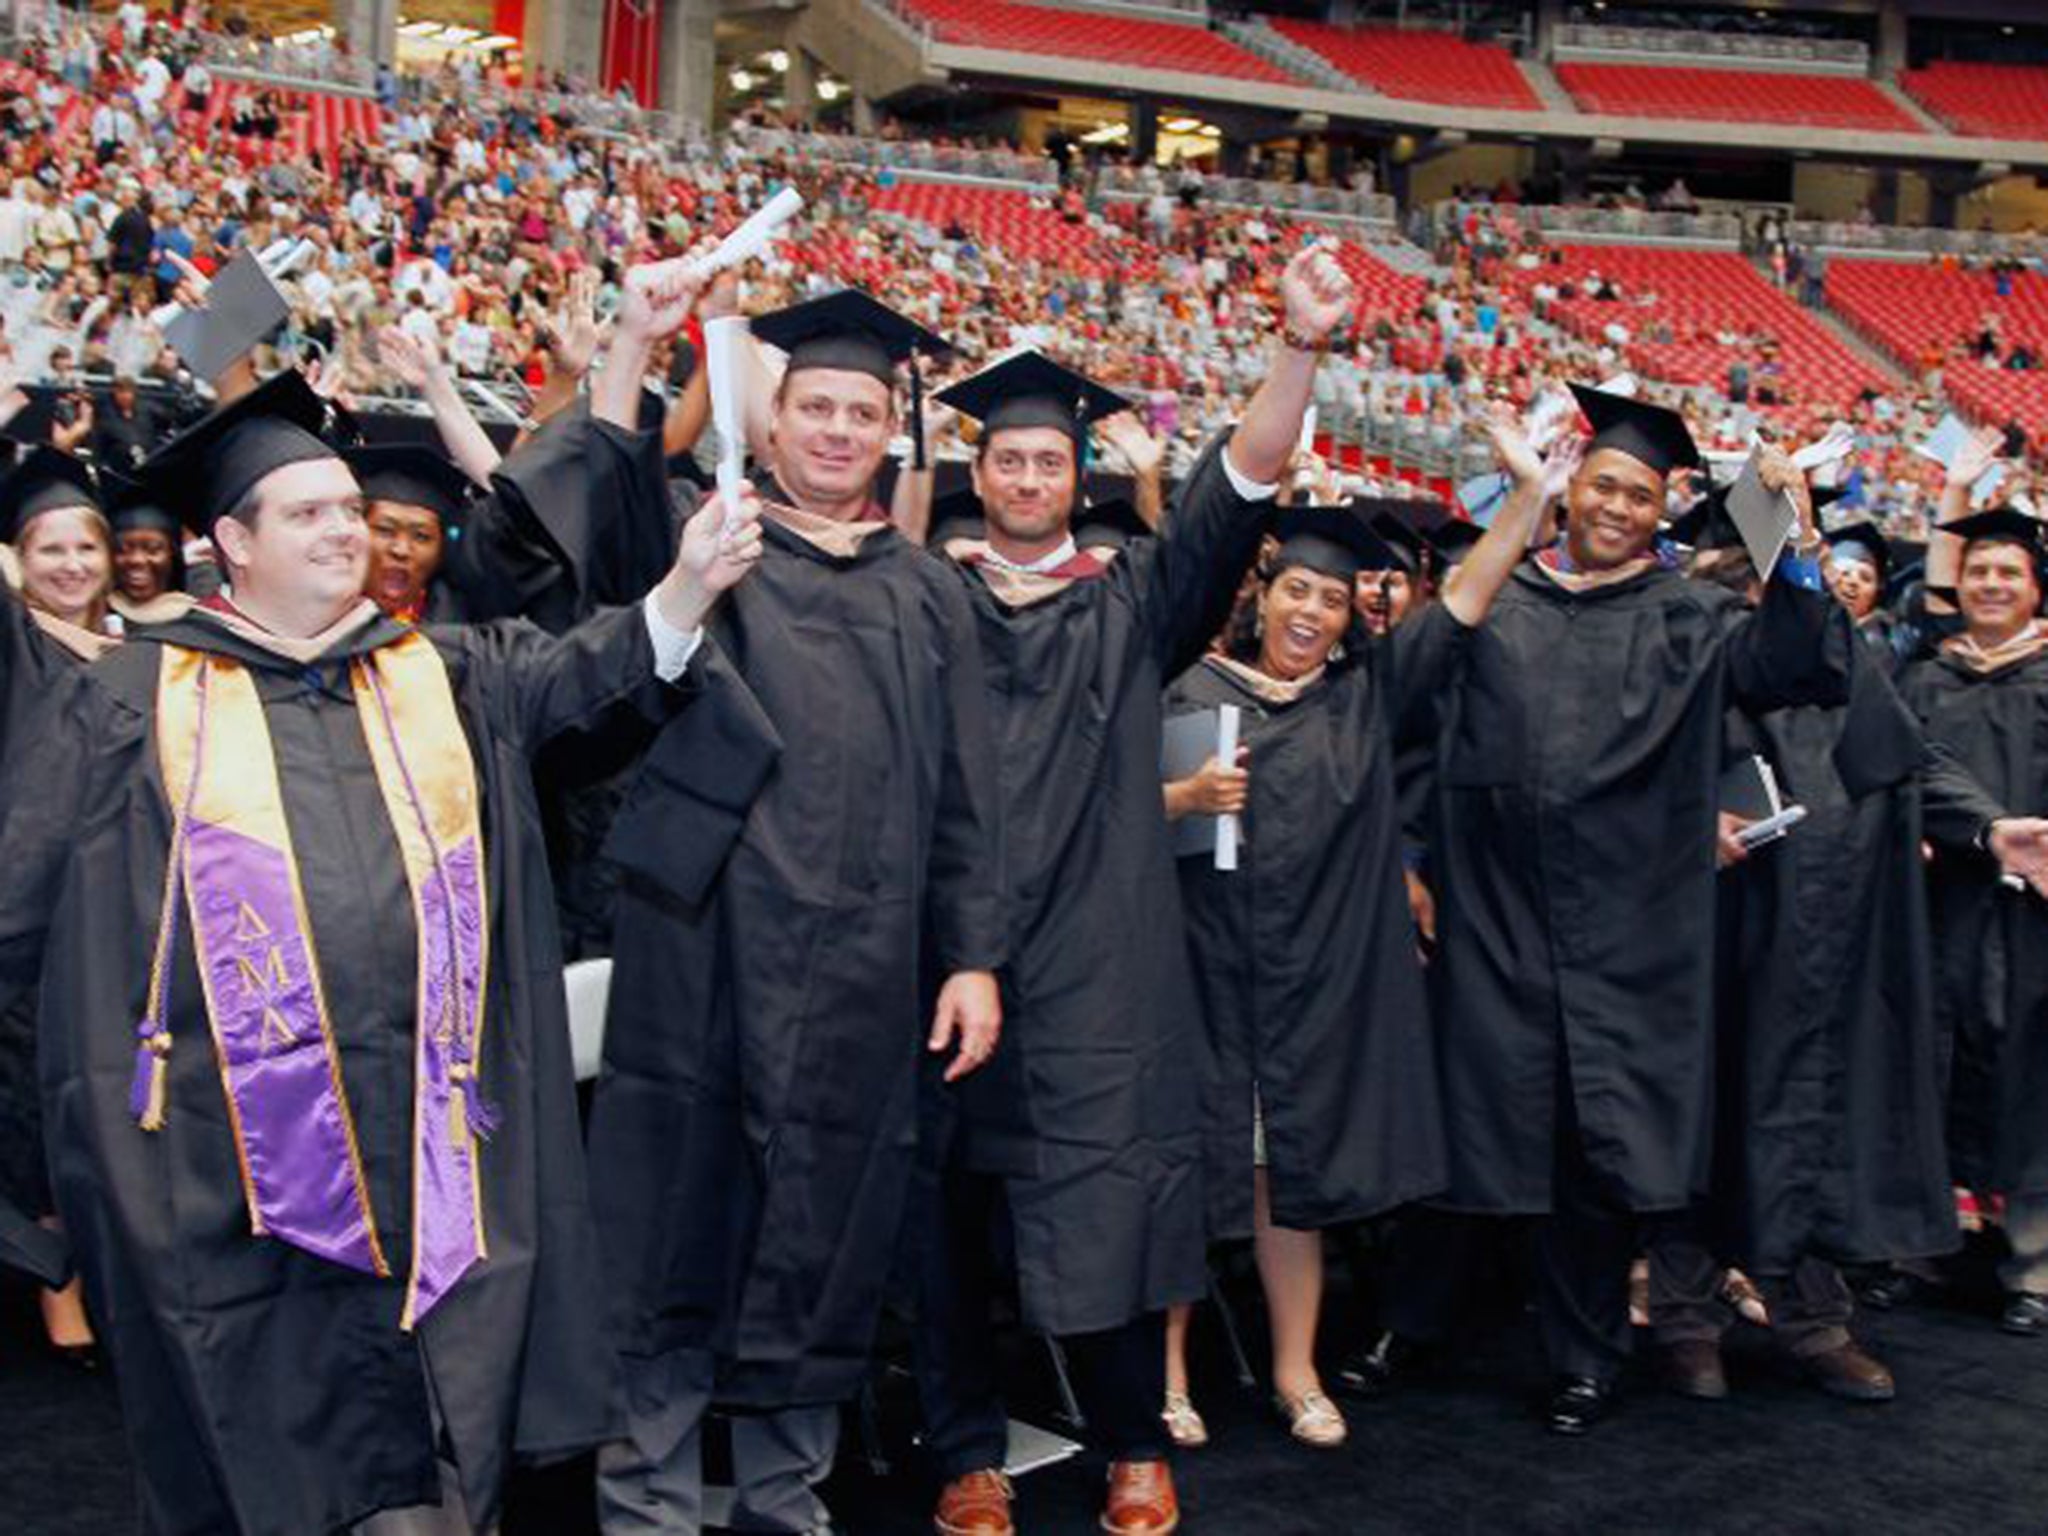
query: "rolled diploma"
753, 236
1226, 754
722, 340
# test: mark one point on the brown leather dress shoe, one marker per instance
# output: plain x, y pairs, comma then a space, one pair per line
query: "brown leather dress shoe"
1693, 1369
1141, 1499
1849, 1374
975, 1505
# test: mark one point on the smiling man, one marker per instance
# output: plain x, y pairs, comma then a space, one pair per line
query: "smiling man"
753, 1134
1982, 695
1084, 1140
304, 1048
1573, 842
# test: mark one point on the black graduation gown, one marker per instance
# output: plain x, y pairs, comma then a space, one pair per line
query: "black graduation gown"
752, 1136
267, 1392
1990, 943
32, 666
1830, 1113
1312, 991
1577, 783
1092, 1107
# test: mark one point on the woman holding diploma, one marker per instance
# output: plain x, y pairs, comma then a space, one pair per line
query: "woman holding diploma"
1321, 1064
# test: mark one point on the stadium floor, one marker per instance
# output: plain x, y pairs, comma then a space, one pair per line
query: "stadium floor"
1965, 1449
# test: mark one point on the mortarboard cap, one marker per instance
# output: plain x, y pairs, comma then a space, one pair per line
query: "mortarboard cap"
46, 479
1029, 389
2006, 524
1706, 524
848, 330
852, 332
1862, 538
1452, 540
243, 309
1332, 541
1395, 523
203, 473
414, 475
1650, 434
31, 425
1113, 524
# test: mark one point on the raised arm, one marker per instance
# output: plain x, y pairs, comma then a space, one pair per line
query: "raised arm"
1944, 550
1538, 481
1316, 298
414, 365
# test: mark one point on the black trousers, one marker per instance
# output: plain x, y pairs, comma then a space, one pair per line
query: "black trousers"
1119, 1376
1810, 1307
1583, 1251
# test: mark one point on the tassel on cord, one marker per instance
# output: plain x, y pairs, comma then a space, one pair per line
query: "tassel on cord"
148, 1094
459, 1072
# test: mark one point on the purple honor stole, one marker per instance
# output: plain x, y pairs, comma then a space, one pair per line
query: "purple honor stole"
295, 1139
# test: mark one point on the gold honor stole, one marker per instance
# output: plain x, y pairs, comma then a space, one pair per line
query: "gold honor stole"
231, 849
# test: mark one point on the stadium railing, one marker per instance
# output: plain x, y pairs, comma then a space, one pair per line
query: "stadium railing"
1593, 40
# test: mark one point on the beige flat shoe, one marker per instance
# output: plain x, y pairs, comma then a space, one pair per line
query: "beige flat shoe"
1183, 1424
1313, 1420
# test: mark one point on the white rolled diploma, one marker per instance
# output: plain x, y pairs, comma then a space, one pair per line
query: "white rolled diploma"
723, 339
752, 237
1227, 716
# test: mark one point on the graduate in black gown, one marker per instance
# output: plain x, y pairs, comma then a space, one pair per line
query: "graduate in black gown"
1573, 849
777, 941
1983, 693
303, 1047
53, 517
1320, 1103
1828, 1106
1083, 1142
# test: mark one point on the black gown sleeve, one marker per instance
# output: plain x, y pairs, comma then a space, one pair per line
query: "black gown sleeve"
538, 686
1208, 542
66, 752
968, 915
578, 518
1792, 649
1956, 808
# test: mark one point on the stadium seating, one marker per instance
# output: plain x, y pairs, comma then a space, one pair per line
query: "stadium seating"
1698, 296
1910, 311
1734, 96
1092, 35
2000, 101
1020, 225
1420, 66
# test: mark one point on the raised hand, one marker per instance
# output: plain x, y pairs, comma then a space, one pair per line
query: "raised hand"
1127, 435
659, 295
1315, 292
571, 331
1512, 449
406, 357
1560, 464
1974, 459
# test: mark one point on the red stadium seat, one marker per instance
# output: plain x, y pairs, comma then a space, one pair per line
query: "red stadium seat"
1091, 35
1695, 297
1734, 96
1917, 313
1999, 101
1420, 66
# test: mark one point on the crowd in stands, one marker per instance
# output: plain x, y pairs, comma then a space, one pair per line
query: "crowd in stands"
489, 223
